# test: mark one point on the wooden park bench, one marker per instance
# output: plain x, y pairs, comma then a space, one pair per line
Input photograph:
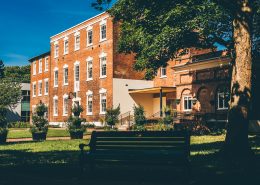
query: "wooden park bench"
140, 148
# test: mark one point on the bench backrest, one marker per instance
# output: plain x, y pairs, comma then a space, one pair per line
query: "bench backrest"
134, 142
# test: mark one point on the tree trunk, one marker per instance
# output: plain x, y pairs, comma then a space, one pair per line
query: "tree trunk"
236, 143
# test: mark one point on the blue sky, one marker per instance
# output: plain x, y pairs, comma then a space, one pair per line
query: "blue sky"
27, 25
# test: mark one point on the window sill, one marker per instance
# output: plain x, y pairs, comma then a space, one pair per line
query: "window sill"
89, 45
65, 115
55, 86
46, 71
39, 95
163, 77
222, 108
77, 49
65, 84
65, 53
55, 115
102, 113
40, 73
103, 40
34, 74
46, 94
89, 79
89, 114
34, 96
102, 77
56, 57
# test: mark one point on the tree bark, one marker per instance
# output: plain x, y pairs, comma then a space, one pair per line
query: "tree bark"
236, 142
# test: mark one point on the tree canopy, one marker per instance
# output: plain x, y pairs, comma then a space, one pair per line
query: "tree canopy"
18, 73
156, 31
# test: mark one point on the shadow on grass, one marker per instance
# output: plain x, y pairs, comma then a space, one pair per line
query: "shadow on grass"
61, 167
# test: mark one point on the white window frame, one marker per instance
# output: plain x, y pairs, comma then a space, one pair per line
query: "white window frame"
65, 111
101, 56
187, 98
102, 93
162, 70
54, 81
46, 92
76, 44
34, 89
56, 49
55, 98
46, 64
40, 88
34, 68
65, 67
89, 29
221, 108
76, 64
89, 95
101, 24
89, 60
40, 66
65, 49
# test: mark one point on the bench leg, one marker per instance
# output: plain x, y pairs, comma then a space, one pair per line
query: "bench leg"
188, 170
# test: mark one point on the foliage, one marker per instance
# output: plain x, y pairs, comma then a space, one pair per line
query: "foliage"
10, 93
19, 124
41, 109
74, 124
196, 128
3, 130
139, 115
111, 116
161, 126
168, 118
20, 74
76, 110
137, 127
1, 69
40, 123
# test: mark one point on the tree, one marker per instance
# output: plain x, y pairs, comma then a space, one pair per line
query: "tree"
18, 73
10, 95
1, 69
157, 31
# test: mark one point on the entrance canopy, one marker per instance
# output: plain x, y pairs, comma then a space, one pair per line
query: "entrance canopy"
153, 90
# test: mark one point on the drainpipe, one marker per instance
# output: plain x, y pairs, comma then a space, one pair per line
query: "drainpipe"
161, 113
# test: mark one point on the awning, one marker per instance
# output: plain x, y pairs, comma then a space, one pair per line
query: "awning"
153, 90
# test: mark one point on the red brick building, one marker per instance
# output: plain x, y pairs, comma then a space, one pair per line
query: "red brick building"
83, 59
84, 68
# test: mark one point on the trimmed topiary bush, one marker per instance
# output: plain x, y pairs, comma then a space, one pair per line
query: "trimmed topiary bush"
39, 128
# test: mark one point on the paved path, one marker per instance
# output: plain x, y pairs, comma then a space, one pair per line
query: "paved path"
48, 138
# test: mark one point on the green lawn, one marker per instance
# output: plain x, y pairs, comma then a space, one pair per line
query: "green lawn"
25, 133
56, 162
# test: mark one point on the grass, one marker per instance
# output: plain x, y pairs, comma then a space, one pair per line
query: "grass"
56, 162
25, 133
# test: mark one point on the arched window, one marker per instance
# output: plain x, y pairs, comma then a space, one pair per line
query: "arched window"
223, 97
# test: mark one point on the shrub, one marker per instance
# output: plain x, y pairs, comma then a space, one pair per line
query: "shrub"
76, 110
74, 124
41, 109
139, 115
138, 127
40, 124
196, 128
111, 116
19, 124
